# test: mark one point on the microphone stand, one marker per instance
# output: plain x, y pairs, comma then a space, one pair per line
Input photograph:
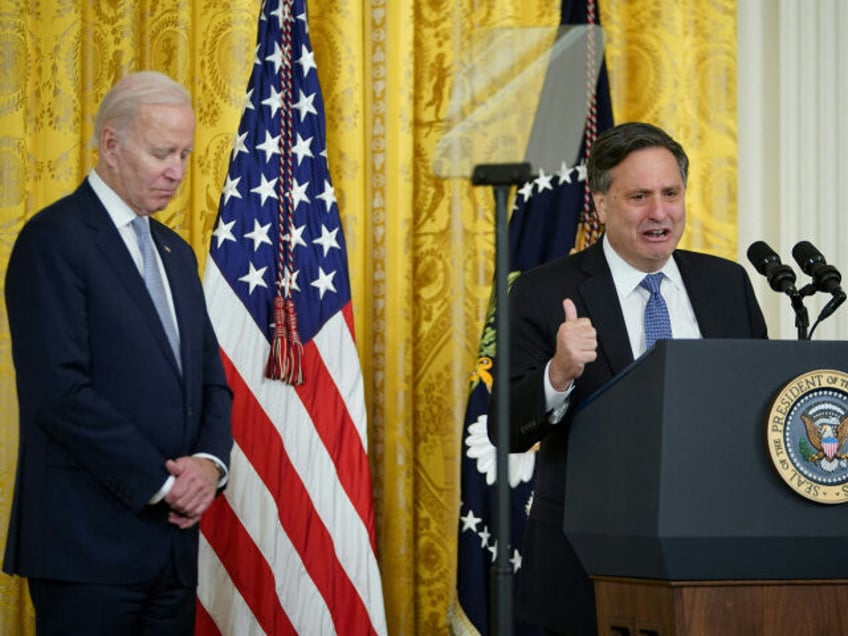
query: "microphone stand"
802, 319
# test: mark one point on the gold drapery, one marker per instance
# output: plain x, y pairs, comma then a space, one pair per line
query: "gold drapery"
420, 247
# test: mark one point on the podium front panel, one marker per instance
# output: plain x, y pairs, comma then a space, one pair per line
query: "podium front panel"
669, 474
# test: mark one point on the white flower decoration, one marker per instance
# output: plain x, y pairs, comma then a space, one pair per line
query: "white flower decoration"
521, 465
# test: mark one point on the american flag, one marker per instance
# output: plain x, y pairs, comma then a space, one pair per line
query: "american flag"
289, 547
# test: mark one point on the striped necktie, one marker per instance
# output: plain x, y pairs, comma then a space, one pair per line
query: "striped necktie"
155, 284
657, 322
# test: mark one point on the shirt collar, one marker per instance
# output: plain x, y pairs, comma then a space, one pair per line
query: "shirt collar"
120, 213
627, 278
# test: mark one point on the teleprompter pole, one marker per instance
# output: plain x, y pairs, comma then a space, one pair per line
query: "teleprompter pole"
501, 177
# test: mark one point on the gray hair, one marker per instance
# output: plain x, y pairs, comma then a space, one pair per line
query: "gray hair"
123, 102
613, 145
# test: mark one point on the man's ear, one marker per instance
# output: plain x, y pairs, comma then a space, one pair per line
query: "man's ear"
108, 144
600, 201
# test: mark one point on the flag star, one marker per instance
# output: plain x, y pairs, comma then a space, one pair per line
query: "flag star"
289, 283
274, 101
469, 521
581, 171
282, 13
526, 190
222, 231
231, 189
306, 60
256, 60
484, 537
544, 181
327, 239
516, 560
259, 235
304, 105
271, 146
248, 101
302, 18
302, 148
276, 57
296, 237
239, 145
324, 282
254, 278
494, 550
298, 194
565, 173
266, 188
328, 196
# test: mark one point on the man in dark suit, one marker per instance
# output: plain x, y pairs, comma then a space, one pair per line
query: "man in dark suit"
578, 321
124, 406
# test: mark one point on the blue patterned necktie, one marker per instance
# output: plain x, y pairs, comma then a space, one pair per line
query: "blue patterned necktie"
657, 322
155, 284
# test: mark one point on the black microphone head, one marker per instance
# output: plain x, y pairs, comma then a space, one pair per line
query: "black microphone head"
825, 277
806, 255
760, 255
781, 278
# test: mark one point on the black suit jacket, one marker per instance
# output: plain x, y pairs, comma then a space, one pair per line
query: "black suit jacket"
102, 402
553, 589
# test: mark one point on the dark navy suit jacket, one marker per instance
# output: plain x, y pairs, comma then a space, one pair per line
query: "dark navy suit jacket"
102, 402
553, 589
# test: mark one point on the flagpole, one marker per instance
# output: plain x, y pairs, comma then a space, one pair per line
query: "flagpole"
501, 177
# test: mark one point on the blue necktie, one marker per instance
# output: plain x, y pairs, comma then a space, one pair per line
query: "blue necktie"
155, 284
657, 322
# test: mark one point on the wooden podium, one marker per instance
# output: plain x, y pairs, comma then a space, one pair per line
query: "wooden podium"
676, 511
633, 607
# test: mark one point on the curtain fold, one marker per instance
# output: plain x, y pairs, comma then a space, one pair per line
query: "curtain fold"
421, 247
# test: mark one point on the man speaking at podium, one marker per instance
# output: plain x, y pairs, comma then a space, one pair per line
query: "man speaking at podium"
578, 321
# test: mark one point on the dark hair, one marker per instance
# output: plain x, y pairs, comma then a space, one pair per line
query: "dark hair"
614, 144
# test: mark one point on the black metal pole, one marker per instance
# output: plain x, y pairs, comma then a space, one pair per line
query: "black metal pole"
501, 177
502, 570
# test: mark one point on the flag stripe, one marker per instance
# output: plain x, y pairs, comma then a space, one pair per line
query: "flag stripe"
203, 623
331, 417
235, 616
295, 589
247, 569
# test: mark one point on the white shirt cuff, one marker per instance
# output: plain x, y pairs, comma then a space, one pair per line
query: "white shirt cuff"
164, 490
556, 402
222, 468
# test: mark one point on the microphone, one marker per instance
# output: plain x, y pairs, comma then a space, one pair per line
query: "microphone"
825, 277
781, 278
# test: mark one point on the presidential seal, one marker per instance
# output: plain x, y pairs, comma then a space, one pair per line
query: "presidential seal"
807, 435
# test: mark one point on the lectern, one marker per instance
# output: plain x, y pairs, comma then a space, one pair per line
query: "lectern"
677, 511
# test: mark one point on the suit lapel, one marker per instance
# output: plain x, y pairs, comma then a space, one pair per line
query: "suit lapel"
702, 292
108, 240
598, 293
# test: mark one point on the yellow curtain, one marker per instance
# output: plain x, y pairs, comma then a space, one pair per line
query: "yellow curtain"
420, 247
